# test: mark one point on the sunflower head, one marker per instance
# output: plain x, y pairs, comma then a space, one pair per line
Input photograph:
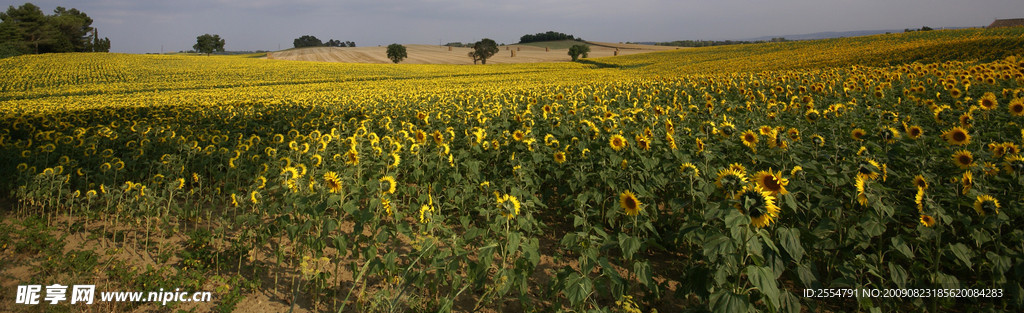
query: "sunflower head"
818, 140
889, 134
758, 204
1014, 164
868, 169
629, 203
957, 136
688, 169
771, 182
988, 101
914, 132
812, 115
963, 159
927, 220
559, 157
1017, 107
920, 182
388, 184
617, 142
750, 139
858, 134
985, 205
730, 180
332, 182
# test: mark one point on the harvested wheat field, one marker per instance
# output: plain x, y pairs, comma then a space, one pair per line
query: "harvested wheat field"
431, 54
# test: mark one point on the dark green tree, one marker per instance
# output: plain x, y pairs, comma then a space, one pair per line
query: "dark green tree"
307, 41
579, 50
74, 28
483, 49
208, 44
26, 28
396, 52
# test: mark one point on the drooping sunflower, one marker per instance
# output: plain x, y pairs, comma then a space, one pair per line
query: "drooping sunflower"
967, 180
643, 142
617, 142
758, 204
927, 220
957, 136
739, 168
794, 134
817, 140
352, 157
919, 199
630, 203
750, 139
388, 184
698, 145
988, 101
771, 182
889, 134
1014, 164
812, 115
559, 157
1017, 107
861, 191
730, 179
966, 120
332, 182
868, 169
858, 134
914, 132
985, 205
963, 159
688, 169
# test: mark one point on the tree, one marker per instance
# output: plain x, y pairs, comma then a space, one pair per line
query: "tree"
25, 29
74, 30
208, 44
483, 49
350, 44
396, 52
28, 28
307, 41
576, 50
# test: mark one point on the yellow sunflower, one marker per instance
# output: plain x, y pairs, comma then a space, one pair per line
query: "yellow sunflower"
889, 134
858, 134
758, 204
957, 136
988, 101
699, 145
920, 182
812, 115
967, 180
919, 199
688, 169
861, 192
1014, 164
518, 135
750, 139
332, 182
352, 157
914, 132
963, 159
617, 142
730, 179
868, 169
388, 184
1017, 107
927, 220
985, 205
630, 203
559, 157
771, 182
817, 140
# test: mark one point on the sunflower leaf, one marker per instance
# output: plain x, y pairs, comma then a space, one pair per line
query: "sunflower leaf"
725, 301
763, 278
962, 252
790, 239
629, 245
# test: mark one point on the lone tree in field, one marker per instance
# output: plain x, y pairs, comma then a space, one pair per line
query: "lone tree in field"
208, 44
396, 52
577, 50
307, 41
483, 49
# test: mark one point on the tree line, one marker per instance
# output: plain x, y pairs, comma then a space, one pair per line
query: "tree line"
27, 30
312, 41
709, 43
547, 36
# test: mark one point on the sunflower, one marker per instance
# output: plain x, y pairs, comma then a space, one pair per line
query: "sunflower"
512, 208
750, 139
812, 115
967, 180
927, 220
985, 205
966, 120
957, 136
988, 101
289, 171
352, 157
818, 140
861, 193
730, 179
858, 134
955, 93
963, 159
630, 203
758, 204
1014, 164
643, 142
868, 169
739, 168
914, 132
889, 134
1017, 107
919, 199
617, 142
771, 182
920, 182
389, 184
688, 169
559, 157
794, 134
332, 182
699, 145
518, 135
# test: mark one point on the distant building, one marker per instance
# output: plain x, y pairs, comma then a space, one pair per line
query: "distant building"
1008, 22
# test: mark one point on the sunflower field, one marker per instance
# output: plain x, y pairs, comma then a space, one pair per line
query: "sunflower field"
724, 179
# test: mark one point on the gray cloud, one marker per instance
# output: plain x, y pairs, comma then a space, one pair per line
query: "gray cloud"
143, 26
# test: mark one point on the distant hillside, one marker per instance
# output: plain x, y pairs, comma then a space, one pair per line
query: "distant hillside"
829, 35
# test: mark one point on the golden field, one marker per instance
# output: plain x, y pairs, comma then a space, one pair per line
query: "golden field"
727, 179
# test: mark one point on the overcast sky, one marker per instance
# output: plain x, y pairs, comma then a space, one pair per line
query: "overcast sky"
144, 26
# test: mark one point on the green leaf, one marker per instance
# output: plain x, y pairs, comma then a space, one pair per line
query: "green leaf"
898, 275
791, 201
961, 251
577, 288
790, 239
763, 278
725, 301
790, 303
629, 245
900, 245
